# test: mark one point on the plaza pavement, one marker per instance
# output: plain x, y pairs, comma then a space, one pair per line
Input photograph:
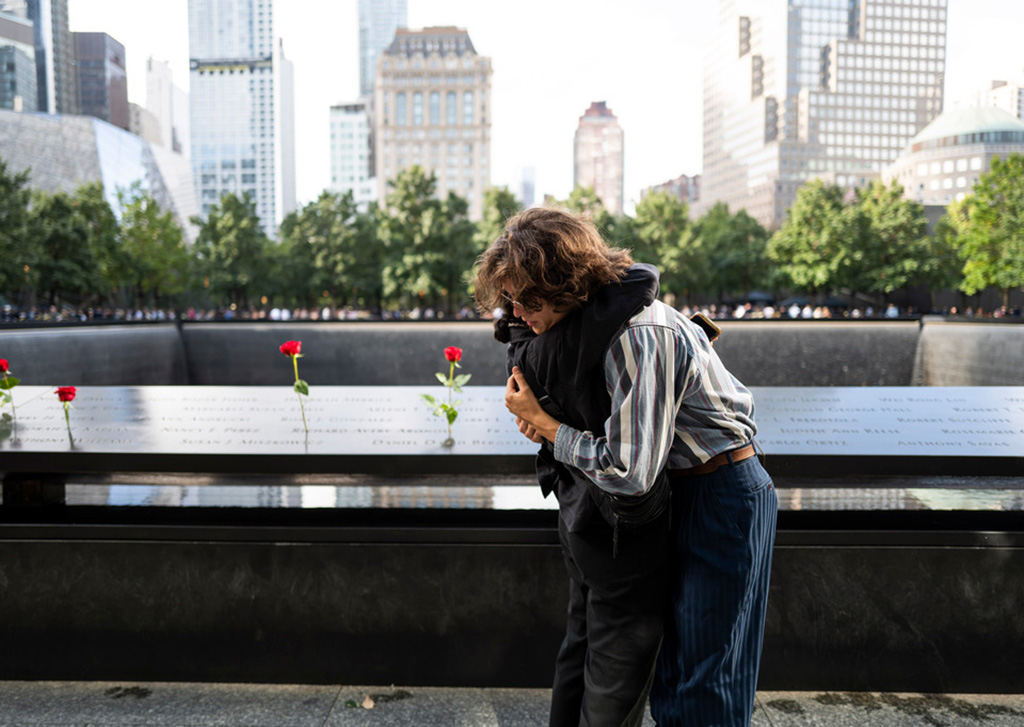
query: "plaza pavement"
139, 704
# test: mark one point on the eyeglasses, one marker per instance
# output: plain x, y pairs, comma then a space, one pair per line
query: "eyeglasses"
515, 303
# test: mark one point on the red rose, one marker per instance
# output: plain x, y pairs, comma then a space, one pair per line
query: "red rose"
4, 366
291, 348
453, 354
65, 393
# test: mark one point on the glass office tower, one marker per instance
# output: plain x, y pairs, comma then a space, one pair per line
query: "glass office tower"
242, 107
378, 21
805, 89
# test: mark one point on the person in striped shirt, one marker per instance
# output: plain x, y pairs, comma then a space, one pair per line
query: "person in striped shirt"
633, 409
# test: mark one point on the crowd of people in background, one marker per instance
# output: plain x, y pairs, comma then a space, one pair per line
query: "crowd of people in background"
741, 311
805, 311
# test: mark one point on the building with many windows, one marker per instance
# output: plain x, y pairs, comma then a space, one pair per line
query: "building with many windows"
599, 154
17, 63
101, 77
242, 108
351, 152
943, 162
806, 89
432, 109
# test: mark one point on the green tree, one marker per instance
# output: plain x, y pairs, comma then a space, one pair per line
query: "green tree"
900, 253
657, 226
103, 234
297, 277
152, 247
68, 267
455, 272
584, 201
18, 248
808, 246
499, 205
733, 252
944, 270
232, 251
661, 234
428, 242
329, 251
989, 228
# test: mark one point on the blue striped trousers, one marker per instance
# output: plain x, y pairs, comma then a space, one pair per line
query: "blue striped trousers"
724, 524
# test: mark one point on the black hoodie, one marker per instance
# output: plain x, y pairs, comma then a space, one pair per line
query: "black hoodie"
564, 367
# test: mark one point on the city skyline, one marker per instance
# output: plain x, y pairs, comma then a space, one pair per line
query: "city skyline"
543, 74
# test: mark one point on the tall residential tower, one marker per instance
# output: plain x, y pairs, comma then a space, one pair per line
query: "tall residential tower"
598, 155
802, 89
242, 107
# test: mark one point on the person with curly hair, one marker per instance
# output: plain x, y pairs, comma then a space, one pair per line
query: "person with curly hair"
666, 519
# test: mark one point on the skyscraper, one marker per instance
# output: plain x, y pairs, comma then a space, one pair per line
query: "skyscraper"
378, 21
431, 108
101, 77
55, 57
808, 89
242, 108
598, 155
17, 62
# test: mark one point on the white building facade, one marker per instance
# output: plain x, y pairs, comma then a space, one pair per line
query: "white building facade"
350, 152
169, 104
242, 108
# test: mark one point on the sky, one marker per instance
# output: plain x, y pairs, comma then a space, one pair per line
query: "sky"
550, 61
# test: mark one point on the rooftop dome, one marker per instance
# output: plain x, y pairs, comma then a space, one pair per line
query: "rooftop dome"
973, 120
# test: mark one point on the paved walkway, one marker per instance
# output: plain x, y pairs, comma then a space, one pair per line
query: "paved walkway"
125, 704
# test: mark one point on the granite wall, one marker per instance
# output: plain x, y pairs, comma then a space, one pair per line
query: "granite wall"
887, 610
136, 355
799, 353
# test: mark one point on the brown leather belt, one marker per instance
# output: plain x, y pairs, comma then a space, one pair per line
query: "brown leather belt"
733, 456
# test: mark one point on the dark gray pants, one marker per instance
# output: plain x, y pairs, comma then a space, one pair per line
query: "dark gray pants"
616, 619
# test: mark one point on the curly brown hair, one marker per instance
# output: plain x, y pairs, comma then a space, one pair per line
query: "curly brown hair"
547, 255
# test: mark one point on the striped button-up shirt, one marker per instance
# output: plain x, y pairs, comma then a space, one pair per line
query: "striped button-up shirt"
672, 401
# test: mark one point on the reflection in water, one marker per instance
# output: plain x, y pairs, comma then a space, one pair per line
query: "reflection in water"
509, 497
